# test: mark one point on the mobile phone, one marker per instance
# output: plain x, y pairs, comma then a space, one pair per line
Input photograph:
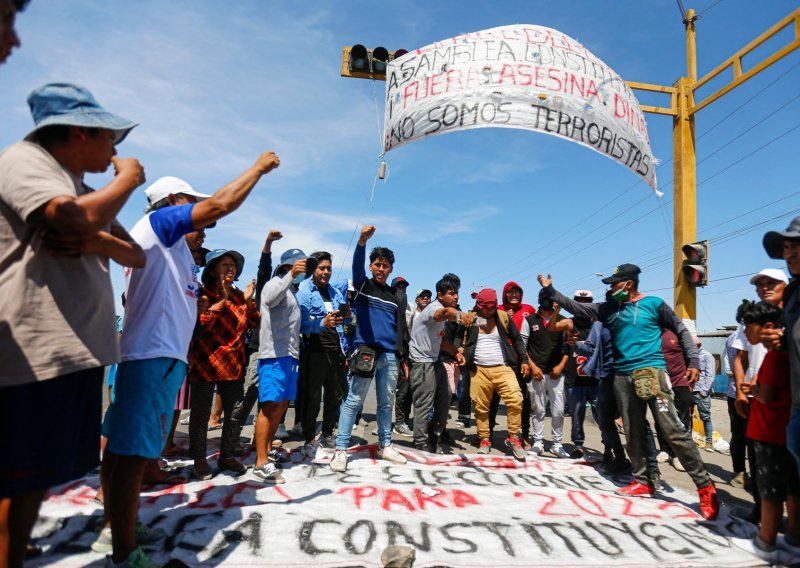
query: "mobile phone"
342, 310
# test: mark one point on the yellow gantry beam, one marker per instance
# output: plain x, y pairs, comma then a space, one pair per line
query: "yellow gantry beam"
682, 109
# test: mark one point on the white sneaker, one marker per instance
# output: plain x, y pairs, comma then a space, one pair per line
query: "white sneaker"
339, 461
282, 434
391, 455
537, 448
269, 473
662, 457
559, 451
676, 463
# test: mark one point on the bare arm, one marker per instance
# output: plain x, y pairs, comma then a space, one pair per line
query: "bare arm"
120, 247
83, 216
227, 199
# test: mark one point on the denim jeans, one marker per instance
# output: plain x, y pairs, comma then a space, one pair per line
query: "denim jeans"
385, 385
577, 397
634, 416
793, 435
704, 411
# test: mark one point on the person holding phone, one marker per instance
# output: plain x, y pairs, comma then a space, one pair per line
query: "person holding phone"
323, 308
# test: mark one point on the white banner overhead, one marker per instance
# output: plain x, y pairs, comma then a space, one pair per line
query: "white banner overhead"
520, 76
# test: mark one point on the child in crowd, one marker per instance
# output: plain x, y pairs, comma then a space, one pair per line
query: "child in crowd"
770, 408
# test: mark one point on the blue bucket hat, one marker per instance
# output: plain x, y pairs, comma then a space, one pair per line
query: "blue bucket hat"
66, 104
215, 255
291, 256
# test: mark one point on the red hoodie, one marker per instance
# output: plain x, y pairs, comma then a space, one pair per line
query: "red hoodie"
524, 309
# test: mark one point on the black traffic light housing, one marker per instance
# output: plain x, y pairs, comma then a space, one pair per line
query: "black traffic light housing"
695, 265
362, 63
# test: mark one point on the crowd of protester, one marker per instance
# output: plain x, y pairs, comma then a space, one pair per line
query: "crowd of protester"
190, 334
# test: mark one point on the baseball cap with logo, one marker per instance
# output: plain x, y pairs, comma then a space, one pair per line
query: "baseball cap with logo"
399, 281
623, 272
583, 296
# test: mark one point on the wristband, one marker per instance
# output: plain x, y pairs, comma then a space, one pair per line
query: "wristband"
458, 318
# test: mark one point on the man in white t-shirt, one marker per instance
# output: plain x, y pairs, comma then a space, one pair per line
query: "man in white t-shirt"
769, 284
160, 314
429, 385
56, 238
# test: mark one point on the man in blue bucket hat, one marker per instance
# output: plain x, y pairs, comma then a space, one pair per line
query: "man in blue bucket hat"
56, 233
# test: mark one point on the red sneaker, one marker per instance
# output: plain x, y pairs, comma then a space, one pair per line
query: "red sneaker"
709, 504
485, 446
635, 489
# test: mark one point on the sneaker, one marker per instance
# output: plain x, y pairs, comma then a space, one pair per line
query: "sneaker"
278, 456
232, 464
710, 447
339, 461
185, 421
355, 426
608, 456
619, 466
137, 559
782, 544
310, 450
635, 489
676, 463
485, 446
537, 448
391, 455
327, 442
282, 434
403, 430
145, 536
748, 545
269, 473
559, 451
577, 453
297, 430
462, 422
737, 480
526, 444
662, 457
655, 481
709, 505
515, 446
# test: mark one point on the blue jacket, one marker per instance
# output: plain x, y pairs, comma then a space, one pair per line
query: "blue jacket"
599, 350
312, 308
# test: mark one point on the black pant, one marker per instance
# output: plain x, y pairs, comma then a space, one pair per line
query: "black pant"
402, 401
738, 438
231, 393
683, 406
526, 407
464, 401
318, 370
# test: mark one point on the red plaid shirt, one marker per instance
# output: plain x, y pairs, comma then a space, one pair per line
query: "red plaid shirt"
217, 352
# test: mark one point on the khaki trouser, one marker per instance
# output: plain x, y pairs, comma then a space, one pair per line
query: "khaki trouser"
484, 382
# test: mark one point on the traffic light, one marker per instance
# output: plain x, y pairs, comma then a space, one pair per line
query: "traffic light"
362, 63
695, 265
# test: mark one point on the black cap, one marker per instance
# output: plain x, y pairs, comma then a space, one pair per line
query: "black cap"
773, 241
399, 281
623, 272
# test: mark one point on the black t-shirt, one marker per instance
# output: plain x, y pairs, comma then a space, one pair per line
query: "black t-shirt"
327, 339
545, 347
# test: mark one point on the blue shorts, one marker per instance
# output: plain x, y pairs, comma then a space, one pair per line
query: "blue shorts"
139, 418
277, 379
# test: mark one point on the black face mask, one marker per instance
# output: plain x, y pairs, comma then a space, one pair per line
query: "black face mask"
546, 305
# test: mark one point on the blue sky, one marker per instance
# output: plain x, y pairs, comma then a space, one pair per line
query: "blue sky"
212, 86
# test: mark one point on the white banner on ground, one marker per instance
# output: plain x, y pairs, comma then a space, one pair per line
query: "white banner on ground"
464, 510
520, 76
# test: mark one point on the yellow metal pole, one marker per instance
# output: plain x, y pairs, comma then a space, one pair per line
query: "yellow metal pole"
685, 166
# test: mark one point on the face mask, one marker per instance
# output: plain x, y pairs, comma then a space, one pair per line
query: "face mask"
620, 295
546, 305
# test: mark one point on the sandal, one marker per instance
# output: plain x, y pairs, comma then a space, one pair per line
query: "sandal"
165, 478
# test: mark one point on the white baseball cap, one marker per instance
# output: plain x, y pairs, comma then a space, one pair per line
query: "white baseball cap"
163, 187
774, 273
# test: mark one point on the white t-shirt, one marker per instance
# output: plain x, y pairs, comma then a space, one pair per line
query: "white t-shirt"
161, 298
755, 355
56, 312
488, 350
